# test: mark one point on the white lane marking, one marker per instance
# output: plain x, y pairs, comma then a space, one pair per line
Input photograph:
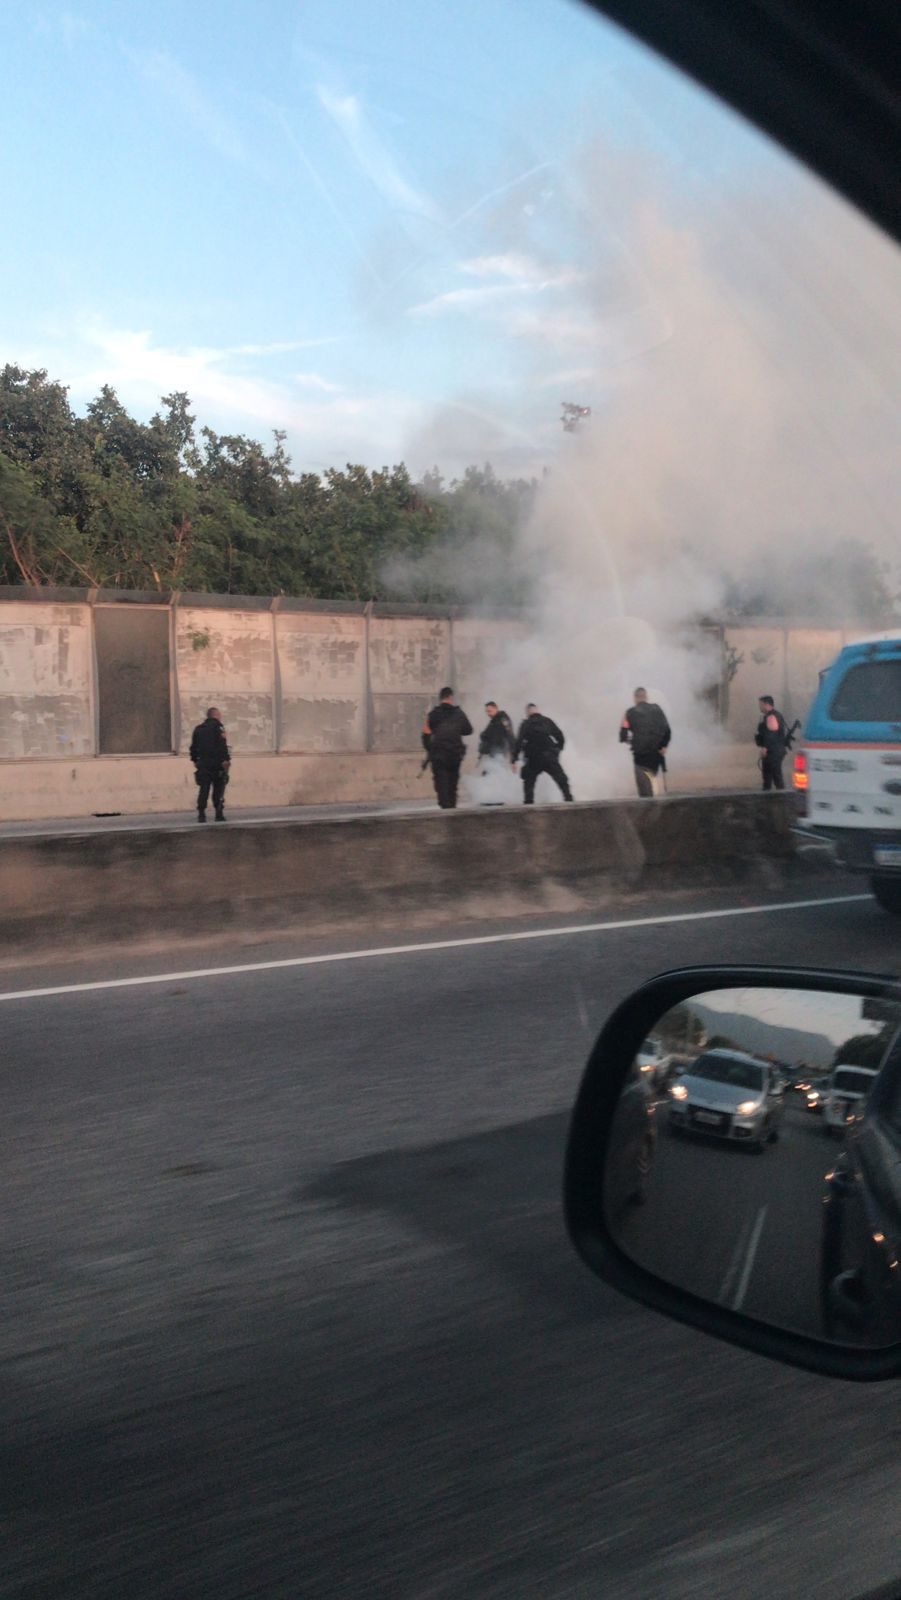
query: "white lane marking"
434, 944
745, 1279
735, 1260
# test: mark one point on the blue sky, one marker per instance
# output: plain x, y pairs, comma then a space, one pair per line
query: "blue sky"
382, 226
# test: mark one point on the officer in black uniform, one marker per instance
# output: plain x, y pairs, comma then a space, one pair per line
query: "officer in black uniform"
645, 728
540, 741
443, 732
498, 738
212, 758
772, 738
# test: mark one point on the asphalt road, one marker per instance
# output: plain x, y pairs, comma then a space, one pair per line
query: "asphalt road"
740, 1228
289, 1311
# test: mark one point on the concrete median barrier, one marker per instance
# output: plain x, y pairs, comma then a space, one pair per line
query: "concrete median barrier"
71, 893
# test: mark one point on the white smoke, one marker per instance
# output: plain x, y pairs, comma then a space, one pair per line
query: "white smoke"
742, 356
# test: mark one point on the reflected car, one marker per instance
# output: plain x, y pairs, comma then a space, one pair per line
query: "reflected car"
861, 1238
727, 1094
846, 1096
633, 1145
654, 1063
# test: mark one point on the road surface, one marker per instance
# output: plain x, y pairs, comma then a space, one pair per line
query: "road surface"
737, 1227
289, 1311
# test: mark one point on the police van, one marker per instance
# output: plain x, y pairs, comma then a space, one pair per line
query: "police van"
850, 766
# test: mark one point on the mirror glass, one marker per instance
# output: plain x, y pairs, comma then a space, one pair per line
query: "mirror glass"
747, 1165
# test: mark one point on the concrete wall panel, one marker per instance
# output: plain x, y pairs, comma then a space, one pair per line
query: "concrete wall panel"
134, 785
322, 667
224, 658
409, 661
487, 656
59, 891
759, 655
322, 696
45, 680
808, 651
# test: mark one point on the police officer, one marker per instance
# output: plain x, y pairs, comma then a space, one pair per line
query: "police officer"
212, 758
772, 738
443, 732
540, 741
645, 728
498, 738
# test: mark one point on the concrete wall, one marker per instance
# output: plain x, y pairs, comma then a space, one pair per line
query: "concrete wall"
409, 661
135, 785
46, 681
806, 653
226, 659
760, 658
305, 677
482, 649
323, 690
57, 892
783, 662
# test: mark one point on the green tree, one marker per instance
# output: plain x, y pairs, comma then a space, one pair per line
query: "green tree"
681, 1029
861, 1050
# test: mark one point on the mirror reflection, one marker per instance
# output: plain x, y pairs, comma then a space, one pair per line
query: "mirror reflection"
748, 1164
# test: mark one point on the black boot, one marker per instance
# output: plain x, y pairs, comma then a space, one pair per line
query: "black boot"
201, 816
220, 814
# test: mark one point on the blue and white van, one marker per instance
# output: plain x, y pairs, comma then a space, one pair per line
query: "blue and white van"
850, 765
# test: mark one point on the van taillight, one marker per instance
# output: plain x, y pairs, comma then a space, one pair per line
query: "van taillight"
800, 772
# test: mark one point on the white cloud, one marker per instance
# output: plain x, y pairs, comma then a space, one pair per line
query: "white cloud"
608, 340
65, 25
523, 268
470, 299
314, 380
163, 72
279, 347
373, 156
72, 27
572, 375
328, 427
558, 327
530, 279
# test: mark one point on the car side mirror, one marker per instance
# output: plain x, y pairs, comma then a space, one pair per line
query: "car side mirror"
768, 1220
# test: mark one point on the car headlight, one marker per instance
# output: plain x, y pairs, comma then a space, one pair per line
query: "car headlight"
747, 1108
679, 1091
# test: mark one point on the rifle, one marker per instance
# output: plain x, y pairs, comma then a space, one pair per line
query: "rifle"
790, 735
426, 763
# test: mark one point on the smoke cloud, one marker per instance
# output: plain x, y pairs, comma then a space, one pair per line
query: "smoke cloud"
741, 352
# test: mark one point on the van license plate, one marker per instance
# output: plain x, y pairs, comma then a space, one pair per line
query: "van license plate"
887, 855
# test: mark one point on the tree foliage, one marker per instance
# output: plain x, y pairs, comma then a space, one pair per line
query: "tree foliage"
111, 502
862, 1050
114, 503
681, 1028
